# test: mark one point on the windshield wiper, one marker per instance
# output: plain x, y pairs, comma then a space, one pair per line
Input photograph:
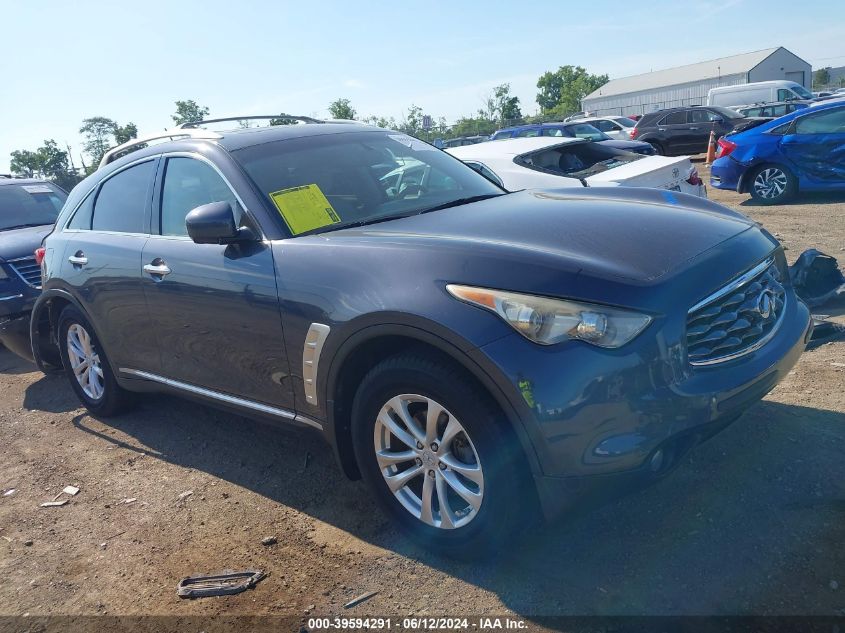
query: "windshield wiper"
460, 201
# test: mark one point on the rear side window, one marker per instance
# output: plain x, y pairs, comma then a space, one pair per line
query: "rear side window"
82, 218
831, 122
553, 131
189, 183
675, 118
122, 200
605, 126
528, 133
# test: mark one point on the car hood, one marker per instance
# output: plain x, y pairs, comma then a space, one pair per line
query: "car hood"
631, 233
628, 146
18, 243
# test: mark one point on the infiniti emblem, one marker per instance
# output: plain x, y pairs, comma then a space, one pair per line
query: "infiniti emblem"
765, 303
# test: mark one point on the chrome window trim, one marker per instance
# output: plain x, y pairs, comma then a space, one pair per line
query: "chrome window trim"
736, 283
210, 163
222, 397
312, 348
98, 185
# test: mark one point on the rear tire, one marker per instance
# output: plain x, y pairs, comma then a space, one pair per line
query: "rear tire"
772, 184
658, 148
462, 457
87, 366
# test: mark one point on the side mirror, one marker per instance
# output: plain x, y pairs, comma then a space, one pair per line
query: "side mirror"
214, 223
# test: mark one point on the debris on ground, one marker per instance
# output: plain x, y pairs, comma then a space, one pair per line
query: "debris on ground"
70, 490
53, 504
825, 332
224, 584
269, 540
10, 492
185, 495
130, 500
28, 542
362, 598
816, 278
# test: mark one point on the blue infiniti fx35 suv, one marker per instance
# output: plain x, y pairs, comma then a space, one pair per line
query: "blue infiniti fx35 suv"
476, 356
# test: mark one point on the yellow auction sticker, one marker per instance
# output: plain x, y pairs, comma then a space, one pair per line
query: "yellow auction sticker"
304, 208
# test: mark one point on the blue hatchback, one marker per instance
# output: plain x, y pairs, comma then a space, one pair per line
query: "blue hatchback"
802, 151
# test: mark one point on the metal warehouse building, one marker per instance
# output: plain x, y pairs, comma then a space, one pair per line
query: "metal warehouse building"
688, 85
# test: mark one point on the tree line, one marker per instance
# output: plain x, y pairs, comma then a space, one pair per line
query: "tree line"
559, 94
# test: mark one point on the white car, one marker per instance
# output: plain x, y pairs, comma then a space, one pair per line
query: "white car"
552, 162
618, 127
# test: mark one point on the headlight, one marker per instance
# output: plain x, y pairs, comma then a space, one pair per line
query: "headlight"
549, 321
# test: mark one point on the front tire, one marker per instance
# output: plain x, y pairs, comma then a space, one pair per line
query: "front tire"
772, 184
87, 366
439, 457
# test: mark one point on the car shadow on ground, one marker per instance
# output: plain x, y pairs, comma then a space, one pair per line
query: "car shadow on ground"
11, 363
722, 535
808, 197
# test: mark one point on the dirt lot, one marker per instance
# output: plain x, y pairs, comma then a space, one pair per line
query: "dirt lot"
752, 523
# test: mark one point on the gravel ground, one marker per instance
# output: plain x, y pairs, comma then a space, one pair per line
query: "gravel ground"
752, 522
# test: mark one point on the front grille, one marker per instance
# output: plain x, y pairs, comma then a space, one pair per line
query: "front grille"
28, 270
737, 319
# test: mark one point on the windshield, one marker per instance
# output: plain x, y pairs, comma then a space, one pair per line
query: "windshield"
587, 131
32, 204
326, 182
725, 113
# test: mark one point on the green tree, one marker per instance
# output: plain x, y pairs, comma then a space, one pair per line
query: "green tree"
25, 163
124, 133
382, 122
341, 109
98, 132
821, 78
472, 126
505, 107
188, 111
283, 120
561, 91
54, 161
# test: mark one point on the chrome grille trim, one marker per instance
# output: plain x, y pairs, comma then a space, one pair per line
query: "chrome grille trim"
733, 316
27, 269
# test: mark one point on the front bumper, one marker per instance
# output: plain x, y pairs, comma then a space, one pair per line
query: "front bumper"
594, 414
15, 311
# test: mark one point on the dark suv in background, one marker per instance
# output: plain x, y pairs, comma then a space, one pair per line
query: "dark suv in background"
28, 209
475, 355
678, 131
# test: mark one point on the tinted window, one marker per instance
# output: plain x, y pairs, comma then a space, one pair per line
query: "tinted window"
29, 205
587, 131
122, 199
784, 94
831, 122
82, 218
553, 131
528, 133
675, 118
625, 122
485, 171
189, 183
605, 126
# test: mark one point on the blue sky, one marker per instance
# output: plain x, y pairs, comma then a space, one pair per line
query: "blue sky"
61, 62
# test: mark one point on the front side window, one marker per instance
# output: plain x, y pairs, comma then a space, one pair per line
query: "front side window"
327, 182
785, 95
23, 205
830, 122
122, 200
189, 183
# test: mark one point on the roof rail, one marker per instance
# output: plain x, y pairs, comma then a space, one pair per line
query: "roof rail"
115, 152
291, 117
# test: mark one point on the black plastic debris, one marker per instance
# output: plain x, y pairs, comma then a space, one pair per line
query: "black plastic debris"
825, 331
816, 278
224, 584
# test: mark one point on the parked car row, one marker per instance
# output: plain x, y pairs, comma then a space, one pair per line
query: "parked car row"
474, 353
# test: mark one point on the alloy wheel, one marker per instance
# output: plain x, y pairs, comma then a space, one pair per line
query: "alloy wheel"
428, 461
85, 362
770, 183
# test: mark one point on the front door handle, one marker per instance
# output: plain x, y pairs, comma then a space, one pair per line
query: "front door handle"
78, 259
157, 268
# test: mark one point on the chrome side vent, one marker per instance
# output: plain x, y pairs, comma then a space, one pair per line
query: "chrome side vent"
314, 340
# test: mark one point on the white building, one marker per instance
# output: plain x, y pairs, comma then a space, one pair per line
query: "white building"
688, 85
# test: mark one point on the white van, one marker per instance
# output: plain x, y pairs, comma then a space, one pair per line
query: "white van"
759, 92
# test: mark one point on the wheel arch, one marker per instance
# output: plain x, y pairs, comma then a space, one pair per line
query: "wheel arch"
44, 323
372, 344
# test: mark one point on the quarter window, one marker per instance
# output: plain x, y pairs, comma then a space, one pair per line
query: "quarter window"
189, 183
122, 200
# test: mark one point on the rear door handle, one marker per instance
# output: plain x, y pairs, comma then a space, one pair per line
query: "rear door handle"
157, 268
78, 259
693, 128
